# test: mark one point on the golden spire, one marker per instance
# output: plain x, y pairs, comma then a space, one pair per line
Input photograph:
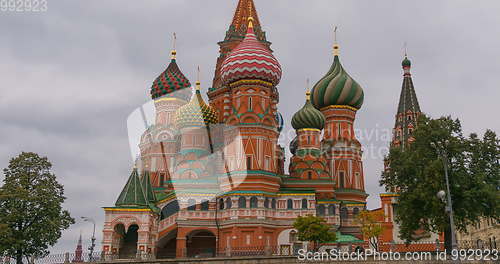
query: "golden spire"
198, 83
406, 49
250, 22
308, 91
173, 53
336, 47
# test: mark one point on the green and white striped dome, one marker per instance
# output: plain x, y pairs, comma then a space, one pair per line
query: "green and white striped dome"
337, 88
308, 117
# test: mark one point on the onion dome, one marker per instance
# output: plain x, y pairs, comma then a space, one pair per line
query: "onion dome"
337, 87
279, 120
171, 82
250, 60
308, 116
406, 62
196, 113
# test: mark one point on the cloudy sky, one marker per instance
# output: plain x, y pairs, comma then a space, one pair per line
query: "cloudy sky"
71, 76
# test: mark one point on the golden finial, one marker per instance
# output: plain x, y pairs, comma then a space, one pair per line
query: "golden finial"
173, 52
336, 46
198, 83
250, 22
308, 91
405, 45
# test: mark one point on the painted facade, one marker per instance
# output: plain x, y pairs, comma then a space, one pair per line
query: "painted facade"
211, 178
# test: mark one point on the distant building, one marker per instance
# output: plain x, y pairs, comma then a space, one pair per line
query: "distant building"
408, 112
78, 251
484, 234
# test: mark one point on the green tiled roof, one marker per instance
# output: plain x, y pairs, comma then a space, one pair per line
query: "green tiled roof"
133, 193
148, 188
342, 238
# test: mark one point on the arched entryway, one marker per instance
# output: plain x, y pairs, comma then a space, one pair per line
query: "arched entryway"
167, 245
201, 243
128, 248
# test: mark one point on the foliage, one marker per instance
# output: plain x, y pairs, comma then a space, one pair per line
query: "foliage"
314, 229
31, 207
417, 172
371, 228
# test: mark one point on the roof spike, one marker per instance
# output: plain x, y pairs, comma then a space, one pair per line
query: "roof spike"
173, 52
336, 46
308, 90
198, 83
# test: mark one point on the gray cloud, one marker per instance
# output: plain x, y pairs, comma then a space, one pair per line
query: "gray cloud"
72, 75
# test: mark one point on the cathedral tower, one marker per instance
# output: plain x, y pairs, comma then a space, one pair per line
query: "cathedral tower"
408, 109
339, 97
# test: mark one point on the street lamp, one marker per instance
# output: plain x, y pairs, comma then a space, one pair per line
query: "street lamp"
92, 245
441, 150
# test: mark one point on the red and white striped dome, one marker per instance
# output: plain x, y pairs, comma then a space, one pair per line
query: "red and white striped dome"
251, 60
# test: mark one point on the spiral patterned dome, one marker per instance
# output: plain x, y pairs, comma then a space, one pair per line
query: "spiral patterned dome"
196, 113
279, 120
250, 60
308, 117
171, 83
337, 88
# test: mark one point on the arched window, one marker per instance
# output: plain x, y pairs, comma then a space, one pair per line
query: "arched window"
229, 203
242, 202
253, 202
273, 203
331, 209
289, 204
170, 209
221, 204
250, 106
266, 203
191, 205
293, 236
204, 205
309, 175
321, 209
304, 203
355, 211
343, 213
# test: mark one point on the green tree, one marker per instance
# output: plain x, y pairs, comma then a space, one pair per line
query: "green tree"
31, 207
417, 172
371, 227
314, 229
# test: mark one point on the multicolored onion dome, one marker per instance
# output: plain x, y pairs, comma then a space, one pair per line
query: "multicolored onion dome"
337, 88
308, 117
406, 62
279, 120
196, 113
250, 60
171, 83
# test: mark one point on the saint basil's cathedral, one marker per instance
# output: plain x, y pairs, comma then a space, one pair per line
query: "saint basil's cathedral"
210, 178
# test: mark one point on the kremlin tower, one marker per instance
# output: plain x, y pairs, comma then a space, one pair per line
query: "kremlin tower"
210, 179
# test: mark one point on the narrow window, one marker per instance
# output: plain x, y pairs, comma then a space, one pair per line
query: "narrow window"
341, 179
289, 204
242, 202
309, 175
253, 202
308, 140
304, 203
273, 203
250, 103
249, 162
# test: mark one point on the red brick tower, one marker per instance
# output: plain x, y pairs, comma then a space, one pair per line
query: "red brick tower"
339, 97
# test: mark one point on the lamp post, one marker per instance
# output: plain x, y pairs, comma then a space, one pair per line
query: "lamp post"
92, 245
441, 150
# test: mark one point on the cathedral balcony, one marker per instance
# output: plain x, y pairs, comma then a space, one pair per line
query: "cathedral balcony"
167, 222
